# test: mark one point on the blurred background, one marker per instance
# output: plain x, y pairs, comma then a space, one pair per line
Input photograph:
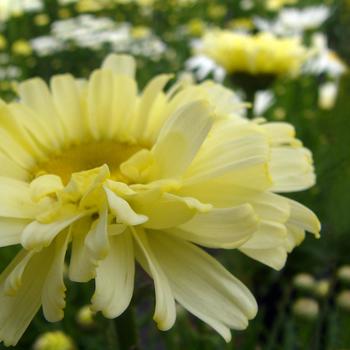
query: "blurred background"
306, 305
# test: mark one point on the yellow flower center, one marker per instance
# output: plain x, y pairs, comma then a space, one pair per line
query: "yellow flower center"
88, 156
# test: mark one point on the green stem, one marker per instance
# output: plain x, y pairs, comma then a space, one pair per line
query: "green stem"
125, 327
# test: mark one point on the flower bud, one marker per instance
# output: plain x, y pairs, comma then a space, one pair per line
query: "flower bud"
304, 281
343, 273
56, 340
322, 288
85, 317
343, 300
306, 308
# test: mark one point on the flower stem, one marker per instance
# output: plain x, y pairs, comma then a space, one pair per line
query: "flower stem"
125, 327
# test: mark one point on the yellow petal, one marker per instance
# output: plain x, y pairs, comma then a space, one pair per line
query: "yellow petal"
82, 265
122, 210
165, 312
268, 235
123, 109
273, 257
68, 104
35, 94
220, 228
164, 210
15, 151
302, 217
148, 98
97, 240
44, 185
15, 201
120, 64
291, 169
11, 169
228, 157
202, 285
115, 277
53, 294
37, 235
180, 139
11, 230
19, 310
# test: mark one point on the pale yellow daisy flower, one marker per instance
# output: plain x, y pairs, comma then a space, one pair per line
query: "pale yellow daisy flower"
121, 175
261, 53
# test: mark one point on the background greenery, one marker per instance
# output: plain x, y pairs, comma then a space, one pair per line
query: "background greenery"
326, 133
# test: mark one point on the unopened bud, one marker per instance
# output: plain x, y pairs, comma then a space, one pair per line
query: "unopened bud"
343, 300
56, 340
304, 281
306, 308
85, 317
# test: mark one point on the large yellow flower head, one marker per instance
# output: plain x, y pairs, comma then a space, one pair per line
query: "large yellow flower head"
275, 5
119, 175
261, 53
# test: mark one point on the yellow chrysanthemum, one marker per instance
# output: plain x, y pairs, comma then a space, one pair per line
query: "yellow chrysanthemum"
120, 175
275, 5
262, 53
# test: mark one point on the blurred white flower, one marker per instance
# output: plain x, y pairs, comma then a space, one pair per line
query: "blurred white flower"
10, 73
304, 19
327, 95
91, 32
10, 7
293, 21
46, 45
203, 66
81, 26
67, 2
263, 100
324, 60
